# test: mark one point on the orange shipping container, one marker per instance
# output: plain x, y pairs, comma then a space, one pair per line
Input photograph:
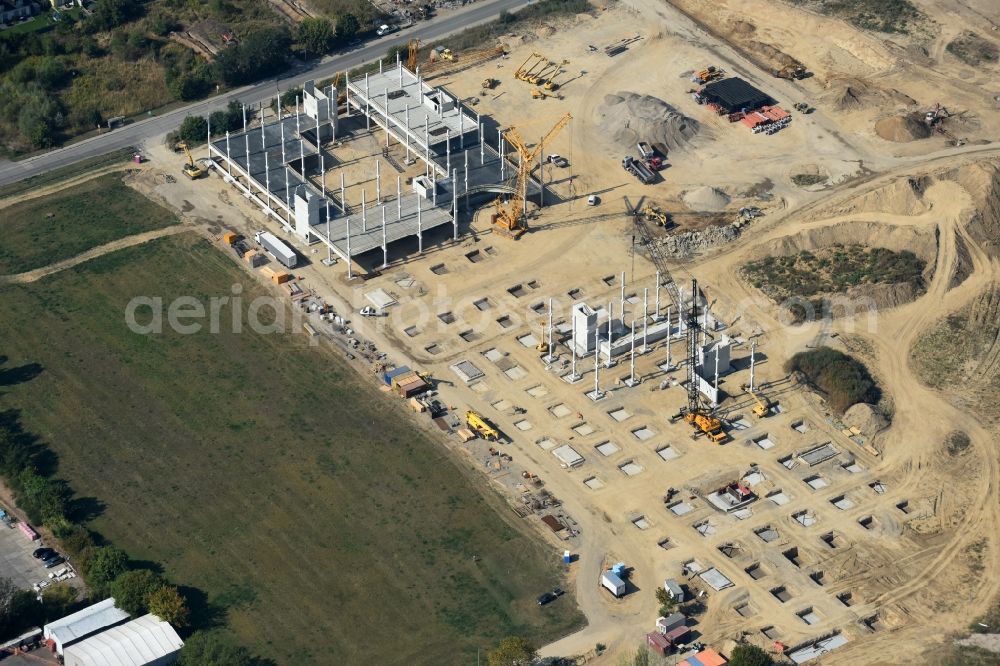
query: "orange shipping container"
281, 278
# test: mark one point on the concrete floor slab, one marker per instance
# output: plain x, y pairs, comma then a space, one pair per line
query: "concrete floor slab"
630, 468
620, 414
546, 443
523, 425
644, 433
528, 340
493, 355
583, 429
537, 391
593, 483
607, 448
559, 411
667, 453
516, 372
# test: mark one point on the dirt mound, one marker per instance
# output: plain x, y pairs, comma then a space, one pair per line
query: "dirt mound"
866, 418
902, 129
922, 243
775, 56
629, 117
744, 28
904, 196
706, 198
982, 182
852, 94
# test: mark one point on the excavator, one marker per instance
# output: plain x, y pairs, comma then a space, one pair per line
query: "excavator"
191, 170
655, 214
762, 406
508, 220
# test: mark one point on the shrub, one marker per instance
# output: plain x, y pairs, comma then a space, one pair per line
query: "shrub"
843, 379
133, 589
167, 604
194, 130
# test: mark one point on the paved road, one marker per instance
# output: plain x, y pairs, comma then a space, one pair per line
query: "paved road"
134, 134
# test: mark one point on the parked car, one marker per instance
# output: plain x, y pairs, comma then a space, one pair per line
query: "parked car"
43, 553
546, 598
558, 160
593, 200
55, 561
369, 311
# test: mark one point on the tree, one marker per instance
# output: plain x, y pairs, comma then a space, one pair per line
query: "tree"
667, 603
18, 609
133, 589
210, 648
261, 53
348, 26
111, 13
194, 130
512, 651
105, 564
167, 604
316, 35
745, 654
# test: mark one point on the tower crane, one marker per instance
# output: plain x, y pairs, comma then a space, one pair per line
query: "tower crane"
508, 220
695, 412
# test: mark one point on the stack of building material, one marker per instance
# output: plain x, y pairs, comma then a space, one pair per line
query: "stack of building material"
254, 258
409, 384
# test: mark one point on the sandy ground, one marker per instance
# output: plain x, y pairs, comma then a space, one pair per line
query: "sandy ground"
919, 560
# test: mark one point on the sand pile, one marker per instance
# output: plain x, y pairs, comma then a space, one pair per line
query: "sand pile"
901, 129
706, 198
866, 418
629, 117
852, 94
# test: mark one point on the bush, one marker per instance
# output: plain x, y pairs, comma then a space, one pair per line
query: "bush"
194, 130
261, 53
133, 589
347, 28
167, 604
315, 36
745, 654
844, 380
105, 564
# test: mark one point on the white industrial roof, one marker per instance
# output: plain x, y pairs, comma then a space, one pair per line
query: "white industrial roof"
84, 622
134, 643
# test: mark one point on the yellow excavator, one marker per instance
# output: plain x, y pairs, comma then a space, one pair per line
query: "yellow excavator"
762, 406
191, 170
481, 426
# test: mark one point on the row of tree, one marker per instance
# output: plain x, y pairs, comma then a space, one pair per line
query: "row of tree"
27, 465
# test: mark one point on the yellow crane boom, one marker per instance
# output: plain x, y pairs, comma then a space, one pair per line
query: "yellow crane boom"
508, 219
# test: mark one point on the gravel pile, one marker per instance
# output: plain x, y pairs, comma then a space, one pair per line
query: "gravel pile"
628, 118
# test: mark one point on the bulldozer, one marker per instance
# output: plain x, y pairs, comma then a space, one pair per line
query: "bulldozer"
191, 170
790, 72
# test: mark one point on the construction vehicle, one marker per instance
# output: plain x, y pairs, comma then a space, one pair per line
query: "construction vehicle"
542, 347
790, 72
481, 426
490, 83
710, 73
508, 220
638, 169
696, 413
762, 406
538, 93
656, 214
412, 47
442, 60
551, 83
191, 170
446, 54
521, 72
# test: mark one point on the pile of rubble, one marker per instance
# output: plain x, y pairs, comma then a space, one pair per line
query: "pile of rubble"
689, 243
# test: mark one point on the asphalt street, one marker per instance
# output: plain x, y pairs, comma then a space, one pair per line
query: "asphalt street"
135, 133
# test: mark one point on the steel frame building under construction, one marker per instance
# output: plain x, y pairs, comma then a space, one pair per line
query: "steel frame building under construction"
282, 164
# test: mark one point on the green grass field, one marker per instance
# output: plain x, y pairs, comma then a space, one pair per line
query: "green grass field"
40, 232
314, 520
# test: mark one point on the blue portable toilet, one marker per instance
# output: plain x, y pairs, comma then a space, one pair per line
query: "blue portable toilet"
567, 558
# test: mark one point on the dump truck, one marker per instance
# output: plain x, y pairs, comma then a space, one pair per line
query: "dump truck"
638, 169
276, 248
481, 426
